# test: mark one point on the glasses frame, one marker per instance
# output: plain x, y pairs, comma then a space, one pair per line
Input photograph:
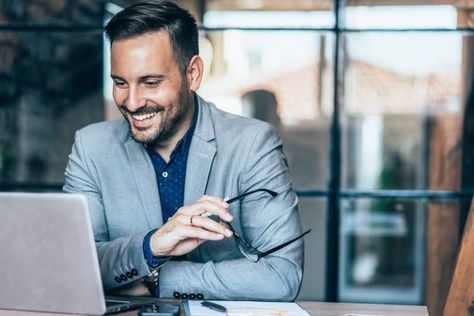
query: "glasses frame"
254, 254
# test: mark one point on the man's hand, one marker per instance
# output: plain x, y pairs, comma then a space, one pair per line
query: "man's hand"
190, 227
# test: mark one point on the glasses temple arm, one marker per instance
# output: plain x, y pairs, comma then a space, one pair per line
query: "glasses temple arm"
272, 193
283, 245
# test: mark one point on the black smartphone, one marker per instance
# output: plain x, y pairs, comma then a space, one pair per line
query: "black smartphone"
159, 309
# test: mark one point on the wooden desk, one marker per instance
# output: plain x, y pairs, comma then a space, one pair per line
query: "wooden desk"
339, 309
313, 308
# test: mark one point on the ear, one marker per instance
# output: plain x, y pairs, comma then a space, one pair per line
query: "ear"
194, 72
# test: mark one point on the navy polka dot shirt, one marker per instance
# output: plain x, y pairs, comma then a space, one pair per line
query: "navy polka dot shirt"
171, 176
171, 179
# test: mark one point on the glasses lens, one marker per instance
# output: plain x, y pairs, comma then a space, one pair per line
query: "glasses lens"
246, 249
248, 252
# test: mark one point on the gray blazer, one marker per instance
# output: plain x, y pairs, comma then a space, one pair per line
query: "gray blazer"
229, 155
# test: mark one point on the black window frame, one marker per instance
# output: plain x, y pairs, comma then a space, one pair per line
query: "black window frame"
334, 193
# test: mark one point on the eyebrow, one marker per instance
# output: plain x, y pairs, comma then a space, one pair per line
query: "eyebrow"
141, 78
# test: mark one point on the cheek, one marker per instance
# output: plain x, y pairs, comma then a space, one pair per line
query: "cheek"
119, 95
163, 97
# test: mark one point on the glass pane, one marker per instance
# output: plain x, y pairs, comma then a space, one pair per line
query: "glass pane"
400, 16
269, 13
403, 110
313, 215
84, 12
382, 250
261, 74
51, 85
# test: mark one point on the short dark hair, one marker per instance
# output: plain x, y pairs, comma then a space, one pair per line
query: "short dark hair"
158, 15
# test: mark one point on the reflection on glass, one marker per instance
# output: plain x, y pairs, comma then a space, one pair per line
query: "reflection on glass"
381, 251
50, 85
269, 13
396, 86
313, 215
282, 77
398, 17
84, 12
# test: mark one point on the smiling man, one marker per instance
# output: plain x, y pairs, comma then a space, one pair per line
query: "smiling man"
156, 179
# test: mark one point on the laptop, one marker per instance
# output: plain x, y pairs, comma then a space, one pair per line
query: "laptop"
48, 257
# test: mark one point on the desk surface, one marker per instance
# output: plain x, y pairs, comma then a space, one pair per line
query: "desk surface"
313, 308
333, 309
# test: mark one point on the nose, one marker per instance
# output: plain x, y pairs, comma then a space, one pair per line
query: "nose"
135, 99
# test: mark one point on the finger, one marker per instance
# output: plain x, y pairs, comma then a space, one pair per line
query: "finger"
202, 207
211, 208
210, 225
188, 210
214, 199
186, 232
225, 203
183, 219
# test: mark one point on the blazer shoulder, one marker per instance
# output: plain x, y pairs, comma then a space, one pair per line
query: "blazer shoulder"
103, 134
239, 125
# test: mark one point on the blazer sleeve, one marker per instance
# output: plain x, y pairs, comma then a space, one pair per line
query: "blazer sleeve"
266, 222
122, 260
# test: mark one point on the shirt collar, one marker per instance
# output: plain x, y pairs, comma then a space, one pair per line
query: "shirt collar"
185, 142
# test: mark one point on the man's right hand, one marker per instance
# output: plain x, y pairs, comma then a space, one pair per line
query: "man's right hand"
190, 226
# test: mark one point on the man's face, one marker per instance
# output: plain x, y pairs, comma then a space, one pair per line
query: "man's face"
148, 87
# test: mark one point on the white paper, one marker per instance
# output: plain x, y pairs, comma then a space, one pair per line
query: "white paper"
246, 308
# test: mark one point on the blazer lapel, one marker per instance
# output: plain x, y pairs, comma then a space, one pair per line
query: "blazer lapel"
145, 181
201, 155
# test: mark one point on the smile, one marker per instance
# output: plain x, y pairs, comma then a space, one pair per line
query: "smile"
143, 117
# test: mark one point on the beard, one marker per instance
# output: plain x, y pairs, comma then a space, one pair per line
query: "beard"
165, 123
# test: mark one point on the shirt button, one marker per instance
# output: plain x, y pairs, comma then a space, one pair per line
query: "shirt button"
164, 174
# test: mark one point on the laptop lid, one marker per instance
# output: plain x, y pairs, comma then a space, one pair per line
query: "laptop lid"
48, 256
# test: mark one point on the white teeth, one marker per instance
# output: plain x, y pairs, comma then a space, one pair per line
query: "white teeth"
143, 117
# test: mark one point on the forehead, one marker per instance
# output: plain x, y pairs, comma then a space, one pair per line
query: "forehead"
151, 51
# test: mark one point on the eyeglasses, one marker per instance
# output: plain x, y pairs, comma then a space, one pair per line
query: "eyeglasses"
250, 252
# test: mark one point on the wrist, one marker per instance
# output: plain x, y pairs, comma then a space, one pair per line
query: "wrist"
153, 246
151, 260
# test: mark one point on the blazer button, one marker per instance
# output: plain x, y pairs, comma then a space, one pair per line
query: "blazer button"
134, 271
184, 296
129, 275
199, 296
192, 296
176, 295
118, 279
123, 277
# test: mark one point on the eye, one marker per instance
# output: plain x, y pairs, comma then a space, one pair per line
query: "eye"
120, 84
152, 83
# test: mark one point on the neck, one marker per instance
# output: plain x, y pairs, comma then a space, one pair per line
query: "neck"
165, 148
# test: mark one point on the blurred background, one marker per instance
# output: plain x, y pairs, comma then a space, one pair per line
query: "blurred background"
373, 100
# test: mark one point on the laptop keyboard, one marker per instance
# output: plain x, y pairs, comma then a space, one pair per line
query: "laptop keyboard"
109, 303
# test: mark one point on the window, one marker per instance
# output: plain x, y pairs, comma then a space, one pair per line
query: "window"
362, 109
51, 85
373, 109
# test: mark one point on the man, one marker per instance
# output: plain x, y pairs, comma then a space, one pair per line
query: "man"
155, 180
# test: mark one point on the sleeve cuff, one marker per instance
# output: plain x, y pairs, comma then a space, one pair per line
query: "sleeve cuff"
151, 261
